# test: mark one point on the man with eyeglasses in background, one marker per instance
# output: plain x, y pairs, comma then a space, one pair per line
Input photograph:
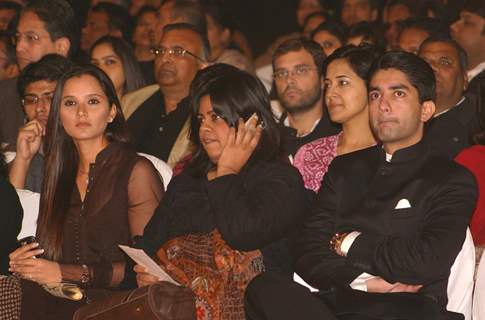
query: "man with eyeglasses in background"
159, 123
45, 26
298, 83
456, 118
8, 61
36, 85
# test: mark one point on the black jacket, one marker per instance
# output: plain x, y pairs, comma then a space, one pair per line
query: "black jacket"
292, 143
255, 209
415, 245
451, 132
153, 130
11, 222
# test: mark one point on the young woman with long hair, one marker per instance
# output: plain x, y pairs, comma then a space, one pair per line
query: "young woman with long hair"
237, 184
97, 193
345, 73
115, 57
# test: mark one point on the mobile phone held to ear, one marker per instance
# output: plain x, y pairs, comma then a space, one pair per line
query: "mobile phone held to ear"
247, 124
259, 122
27, 240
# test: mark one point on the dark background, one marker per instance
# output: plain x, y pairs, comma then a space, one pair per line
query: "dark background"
260, 20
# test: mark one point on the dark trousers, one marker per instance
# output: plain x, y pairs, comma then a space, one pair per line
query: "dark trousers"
270, 296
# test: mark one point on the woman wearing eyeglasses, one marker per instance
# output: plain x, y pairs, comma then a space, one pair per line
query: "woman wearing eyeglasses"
346, 100
97, 193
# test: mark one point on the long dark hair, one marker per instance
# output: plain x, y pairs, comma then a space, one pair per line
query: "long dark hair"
62, 160
131, 69
359, 58
234, 94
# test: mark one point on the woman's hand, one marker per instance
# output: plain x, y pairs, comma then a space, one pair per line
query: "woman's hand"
143, 278
23, 262
29, 140
239, 148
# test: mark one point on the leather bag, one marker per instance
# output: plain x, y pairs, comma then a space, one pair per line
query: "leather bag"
159, 301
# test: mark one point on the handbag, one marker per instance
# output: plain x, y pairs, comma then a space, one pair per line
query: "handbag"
217, 274
159, 301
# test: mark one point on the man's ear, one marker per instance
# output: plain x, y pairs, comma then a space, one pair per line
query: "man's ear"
62, 46
427, 110
12, 70
374, 15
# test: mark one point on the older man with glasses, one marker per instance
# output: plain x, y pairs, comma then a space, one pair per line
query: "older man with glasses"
158, 114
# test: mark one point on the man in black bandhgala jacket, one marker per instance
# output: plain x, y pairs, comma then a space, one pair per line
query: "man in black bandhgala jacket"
388, 221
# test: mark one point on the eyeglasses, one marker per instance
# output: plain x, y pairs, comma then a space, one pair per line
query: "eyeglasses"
175, 51
29, 37
32, 99
299, 71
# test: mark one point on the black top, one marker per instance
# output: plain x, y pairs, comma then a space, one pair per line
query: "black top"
477, 85
152, 130
255, 209
12, 215
450, 132
291, 143
415, 242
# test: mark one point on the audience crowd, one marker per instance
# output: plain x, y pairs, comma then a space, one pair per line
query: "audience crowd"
348, 156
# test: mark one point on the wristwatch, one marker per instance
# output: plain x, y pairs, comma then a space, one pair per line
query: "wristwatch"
336, 242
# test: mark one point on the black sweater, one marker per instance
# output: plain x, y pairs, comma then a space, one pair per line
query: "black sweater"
259, 208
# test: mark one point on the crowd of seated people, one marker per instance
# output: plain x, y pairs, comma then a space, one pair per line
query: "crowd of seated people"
349, 152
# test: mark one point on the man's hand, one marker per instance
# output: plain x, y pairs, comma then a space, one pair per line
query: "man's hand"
29, 140
379, 285
401, 287
239, 147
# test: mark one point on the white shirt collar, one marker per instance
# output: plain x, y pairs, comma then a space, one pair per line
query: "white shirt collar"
388, 157
286, 122
445, 111
473, 72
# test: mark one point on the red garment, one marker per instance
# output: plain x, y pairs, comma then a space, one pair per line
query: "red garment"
473, 158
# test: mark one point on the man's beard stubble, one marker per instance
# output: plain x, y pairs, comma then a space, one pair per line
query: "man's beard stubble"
305, 103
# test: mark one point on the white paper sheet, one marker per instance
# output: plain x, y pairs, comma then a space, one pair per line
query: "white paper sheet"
141, 258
